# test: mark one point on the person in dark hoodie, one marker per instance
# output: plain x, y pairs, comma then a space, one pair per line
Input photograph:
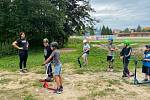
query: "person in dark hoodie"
47, 53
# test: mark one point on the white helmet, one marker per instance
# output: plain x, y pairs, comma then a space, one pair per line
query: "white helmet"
85, 41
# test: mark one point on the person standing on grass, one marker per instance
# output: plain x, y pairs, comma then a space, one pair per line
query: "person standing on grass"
86, 49
146, 63
110, 56
125, 56
57, 66
47, 53
22, 45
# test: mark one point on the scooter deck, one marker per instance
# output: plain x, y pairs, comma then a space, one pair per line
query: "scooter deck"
144, 82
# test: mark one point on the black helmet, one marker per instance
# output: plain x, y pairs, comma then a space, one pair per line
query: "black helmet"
54, 44
147, 46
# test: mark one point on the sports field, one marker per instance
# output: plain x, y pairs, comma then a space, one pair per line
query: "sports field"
90, 82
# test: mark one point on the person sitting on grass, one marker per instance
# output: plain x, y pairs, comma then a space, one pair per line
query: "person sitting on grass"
57, 66
47, 53
22, 45
125, 56
110, 56
86, 49
146, 63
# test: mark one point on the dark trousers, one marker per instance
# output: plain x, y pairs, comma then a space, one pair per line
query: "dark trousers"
125, 66
23, 55
49, 70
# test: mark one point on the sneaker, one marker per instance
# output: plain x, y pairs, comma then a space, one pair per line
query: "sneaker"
57, 91
130, 74
22, 71
108, 70
25, 70
61, 88
144, 80
111, 70
124, 76
48, 79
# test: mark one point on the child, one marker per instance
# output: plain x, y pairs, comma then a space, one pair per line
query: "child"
57, 66
47, 53
22, 45
110, 56
146, 63
86, 49
125, 56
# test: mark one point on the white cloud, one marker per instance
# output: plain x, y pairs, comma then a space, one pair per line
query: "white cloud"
122, 13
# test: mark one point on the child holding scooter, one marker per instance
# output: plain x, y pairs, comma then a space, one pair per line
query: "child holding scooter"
47, 53
125, 56
146, 63
86, 49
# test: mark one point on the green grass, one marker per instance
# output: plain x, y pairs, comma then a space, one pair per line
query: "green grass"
97, 59
29, 97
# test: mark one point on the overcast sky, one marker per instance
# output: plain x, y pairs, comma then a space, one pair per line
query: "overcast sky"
120, 14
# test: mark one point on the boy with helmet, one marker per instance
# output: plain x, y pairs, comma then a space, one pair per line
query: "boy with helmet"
125, 56
110, 56
86, 49
57, 66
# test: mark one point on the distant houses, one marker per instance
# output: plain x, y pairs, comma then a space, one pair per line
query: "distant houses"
134, 34
145, 32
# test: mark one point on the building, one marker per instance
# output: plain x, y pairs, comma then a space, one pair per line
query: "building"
134, 34
146, 29
116, 31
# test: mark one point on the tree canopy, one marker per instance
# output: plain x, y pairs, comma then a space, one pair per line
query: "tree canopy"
54, 19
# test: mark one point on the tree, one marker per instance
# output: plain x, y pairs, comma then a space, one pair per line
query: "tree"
54, 19
76, 14
103, 30
126, 30
139, 29
110, 31
107, 31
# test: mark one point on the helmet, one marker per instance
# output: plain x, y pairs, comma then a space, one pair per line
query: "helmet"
126, 42
147, 46
85, 41
45, 40
110, 39
54, 44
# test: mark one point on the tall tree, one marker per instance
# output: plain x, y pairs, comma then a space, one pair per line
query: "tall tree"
103, 30
54, 19
139, 29
110, 32
126, 30
107, 31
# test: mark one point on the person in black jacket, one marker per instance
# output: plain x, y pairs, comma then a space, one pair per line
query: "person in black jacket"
125, 56
22, 45
47, 53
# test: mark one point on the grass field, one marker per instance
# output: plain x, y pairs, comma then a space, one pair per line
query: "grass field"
81, 78
97, 57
